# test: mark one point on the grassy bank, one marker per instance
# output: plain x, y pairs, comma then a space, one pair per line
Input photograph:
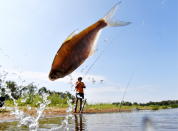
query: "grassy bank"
58, 107
31, 96
57, 101
130, 107
62, 104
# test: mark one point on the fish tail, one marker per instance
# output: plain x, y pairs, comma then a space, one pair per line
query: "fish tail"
108, 18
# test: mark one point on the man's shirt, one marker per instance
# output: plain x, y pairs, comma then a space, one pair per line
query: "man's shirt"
79, 87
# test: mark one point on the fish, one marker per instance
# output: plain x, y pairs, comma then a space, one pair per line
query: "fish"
79, 46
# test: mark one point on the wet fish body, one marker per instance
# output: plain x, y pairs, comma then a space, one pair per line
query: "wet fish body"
75, 51
77, 48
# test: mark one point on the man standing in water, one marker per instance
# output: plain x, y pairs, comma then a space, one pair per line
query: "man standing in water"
79, 93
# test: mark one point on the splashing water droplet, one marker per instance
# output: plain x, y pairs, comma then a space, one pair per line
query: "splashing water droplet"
21, 116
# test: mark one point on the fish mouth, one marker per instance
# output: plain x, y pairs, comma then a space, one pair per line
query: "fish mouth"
55, 74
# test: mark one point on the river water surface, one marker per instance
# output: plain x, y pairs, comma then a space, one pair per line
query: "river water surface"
161, 120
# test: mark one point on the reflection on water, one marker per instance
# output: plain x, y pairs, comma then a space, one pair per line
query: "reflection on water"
162, 120
79, 122
147, 124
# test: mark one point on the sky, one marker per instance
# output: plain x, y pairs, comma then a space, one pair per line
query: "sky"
138, 62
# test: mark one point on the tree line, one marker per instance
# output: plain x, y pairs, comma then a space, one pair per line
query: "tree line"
32, 94
151, 103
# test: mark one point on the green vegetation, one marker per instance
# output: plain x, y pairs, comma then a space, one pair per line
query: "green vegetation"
30, 95
134, 105
151, 105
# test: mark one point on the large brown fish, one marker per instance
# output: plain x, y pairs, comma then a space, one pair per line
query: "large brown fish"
78, 47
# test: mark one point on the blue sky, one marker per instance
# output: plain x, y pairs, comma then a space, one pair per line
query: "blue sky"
32, 31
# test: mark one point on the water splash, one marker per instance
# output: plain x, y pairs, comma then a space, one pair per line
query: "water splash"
24, 119
69, 116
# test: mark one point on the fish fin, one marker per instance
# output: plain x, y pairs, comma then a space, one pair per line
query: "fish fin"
93, 49
109, 17
71, 35
92, 52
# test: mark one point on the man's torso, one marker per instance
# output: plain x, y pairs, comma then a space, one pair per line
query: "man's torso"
79, 87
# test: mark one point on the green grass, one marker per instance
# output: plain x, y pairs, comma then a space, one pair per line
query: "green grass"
123, 107
57, 101
164, 107
101, 106
35, 100
155, 107
174, 106
111, 106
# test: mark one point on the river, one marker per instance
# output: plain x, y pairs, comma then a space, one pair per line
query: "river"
161, 120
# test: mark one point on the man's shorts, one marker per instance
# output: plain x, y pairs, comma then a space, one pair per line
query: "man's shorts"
80, 95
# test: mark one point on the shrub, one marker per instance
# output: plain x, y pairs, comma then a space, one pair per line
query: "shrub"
155, 108
174, 106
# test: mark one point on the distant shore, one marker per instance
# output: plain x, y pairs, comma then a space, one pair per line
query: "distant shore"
5, 115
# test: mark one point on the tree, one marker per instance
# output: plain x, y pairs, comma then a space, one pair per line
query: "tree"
11, 85
15, 91
42, 90
29, 91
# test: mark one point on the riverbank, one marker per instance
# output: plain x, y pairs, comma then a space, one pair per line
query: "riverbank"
54, 111
5, 114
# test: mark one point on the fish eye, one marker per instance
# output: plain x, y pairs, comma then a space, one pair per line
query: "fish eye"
51, 77
55, 74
